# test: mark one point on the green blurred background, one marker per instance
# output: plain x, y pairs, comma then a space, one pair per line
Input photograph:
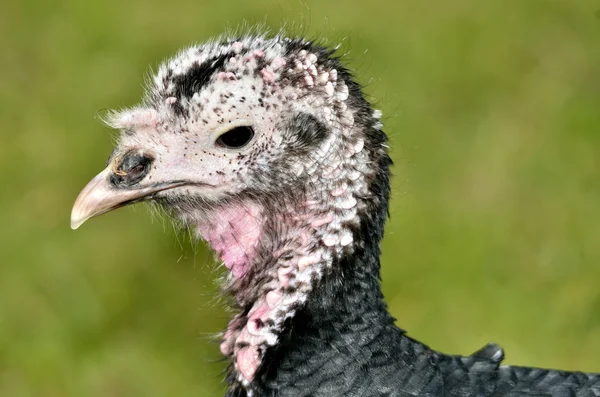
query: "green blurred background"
493, 109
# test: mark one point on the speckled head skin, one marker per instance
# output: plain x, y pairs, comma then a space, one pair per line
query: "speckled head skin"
283, 204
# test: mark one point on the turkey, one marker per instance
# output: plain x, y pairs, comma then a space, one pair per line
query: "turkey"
266, 148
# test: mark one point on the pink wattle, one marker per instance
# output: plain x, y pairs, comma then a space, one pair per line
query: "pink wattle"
233, 232
247, 362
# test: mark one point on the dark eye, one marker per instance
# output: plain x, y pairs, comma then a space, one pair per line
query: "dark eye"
236, 138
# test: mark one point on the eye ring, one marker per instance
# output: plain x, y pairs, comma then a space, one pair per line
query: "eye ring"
236, 138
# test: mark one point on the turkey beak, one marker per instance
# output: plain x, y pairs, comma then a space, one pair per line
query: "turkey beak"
101, 196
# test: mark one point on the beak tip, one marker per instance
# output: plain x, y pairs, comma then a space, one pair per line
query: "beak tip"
76, 220
90, 200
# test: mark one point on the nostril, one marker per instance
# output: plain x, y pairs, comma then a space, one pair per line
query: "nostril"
131, 169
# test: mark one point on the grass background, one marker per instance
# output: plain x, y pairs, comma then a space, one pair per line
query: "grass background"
493, 109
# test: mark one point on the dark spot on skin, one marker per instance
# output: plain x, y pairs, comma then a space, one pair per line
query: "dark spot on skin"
306, 131
186, 85
177, 108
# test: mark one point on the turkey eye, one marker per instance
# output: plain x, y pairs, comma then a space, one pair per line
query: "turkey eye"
236, 138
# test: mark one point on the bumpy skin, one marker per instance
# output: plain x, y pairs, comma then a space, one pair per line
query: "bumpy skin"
297, 216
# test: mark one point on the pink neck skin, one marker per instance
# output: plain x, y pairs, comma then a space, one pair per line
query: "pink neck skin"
233, 232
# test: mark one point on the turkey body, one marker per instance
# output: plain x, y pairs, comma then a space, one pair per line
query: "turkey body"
364, 354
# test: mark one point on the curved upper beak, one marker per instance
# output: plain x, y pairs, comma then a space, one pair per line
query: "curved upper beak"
100, 196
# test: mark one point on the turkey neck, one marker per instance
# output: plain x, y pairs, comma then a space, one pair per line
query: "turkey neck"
343, 329
344, 315
344, 325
